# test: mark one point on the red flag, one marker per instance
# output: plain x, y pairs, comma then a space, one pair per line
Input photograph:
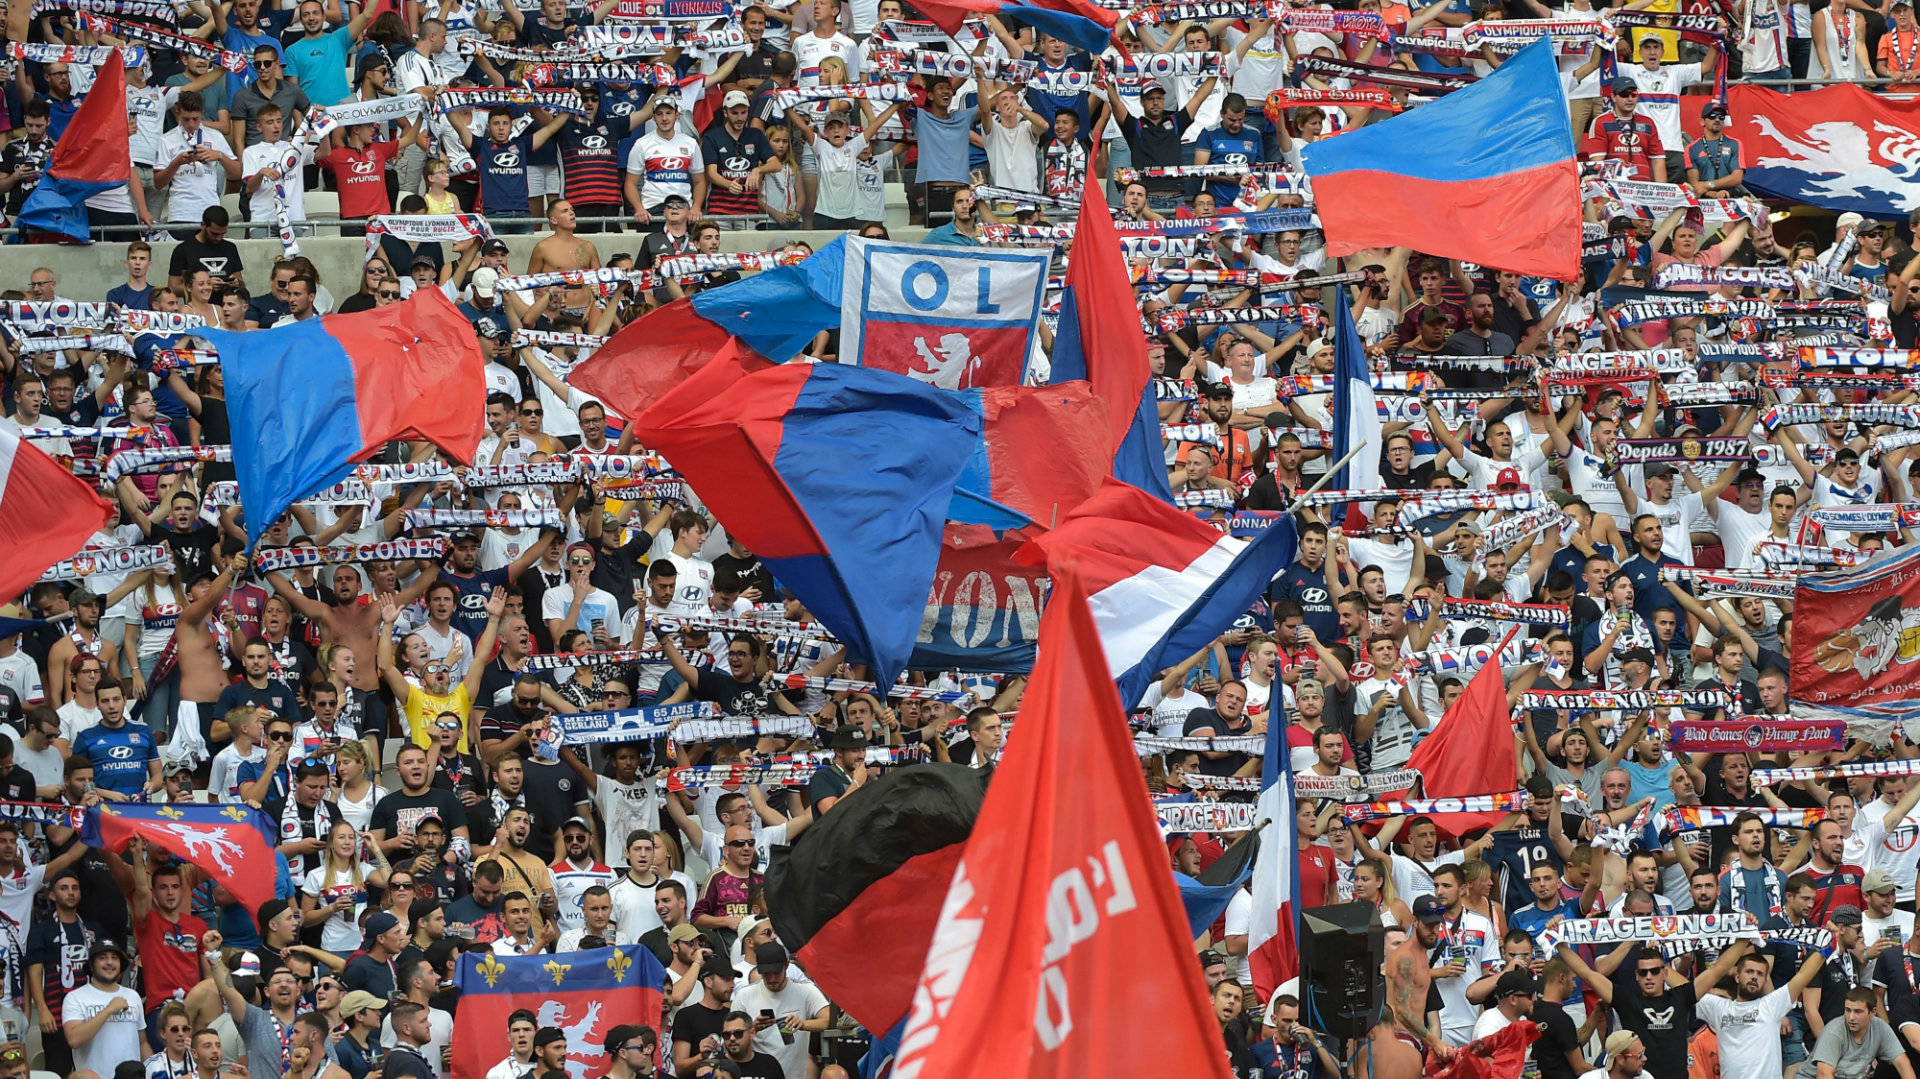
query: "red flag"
1853, 656
46, 515
1087, 967
218, 839
652, 355
1502, 1055
1099, 337
1471, 751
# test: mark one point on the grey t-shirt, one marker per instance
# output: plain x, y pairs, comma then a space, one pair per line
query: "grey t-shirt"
1855, 1059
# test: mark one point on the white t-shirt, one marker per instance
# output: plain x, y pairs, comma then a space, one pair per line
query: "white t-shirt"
19, 673
1740, 530
1484, 472
196, 184
1013, 153
796, 1000
634, 915
693, 587
117, 1040
1896, 851
1897, 927
267, 155
665, 165
1660, 102
149, 105
76, 718
1676, 523
340, 934
1749, 1031
1473, 938
1411, 879
1170, 713
597, 604
223, 779
810, 48
625, 807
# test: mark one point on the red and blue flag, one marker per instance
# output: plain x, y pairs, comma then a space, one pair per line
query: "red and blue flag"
1079, 23
1485, 174
229, 842
321, 395
1100, 340
839, 477
92, 156
583, 994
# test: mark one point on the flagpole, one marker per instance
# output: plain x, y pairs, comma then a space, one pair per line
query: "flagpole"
1327, 477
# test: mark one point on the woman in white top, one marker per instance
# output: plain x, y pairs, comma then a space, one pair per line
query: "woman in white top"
356, 793
1840, 45
336, 892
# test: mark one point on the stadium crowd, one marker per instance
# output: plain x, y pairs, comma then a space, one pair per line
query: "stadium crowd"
395, 722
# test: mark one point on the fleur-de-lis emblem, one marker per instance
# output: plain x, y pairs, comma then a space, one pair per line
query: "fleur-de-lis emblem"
558, 970
619, 963
109, 810
234, 813
491, 968
169, 812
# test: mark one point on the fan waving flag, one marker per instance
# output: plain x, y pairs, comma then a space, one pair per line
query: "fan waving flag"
1486, 174
46, 515
321, 395
774, 315
583, 994
229, 842
92, 156
1470, 750
1100, 340
1161, 583
1062, 948
839, 477
1273, 933
1077, 22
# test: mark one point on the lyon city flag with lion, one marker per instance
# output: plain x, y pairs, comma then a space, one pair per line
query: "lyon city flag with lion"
950, 317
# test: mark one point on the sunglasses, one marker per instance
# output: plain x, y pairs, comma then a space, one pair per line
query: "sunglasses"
435, 668
579, 561
391, 883
739, 842
533, 412
385, 295
280, 736
447, 725
526, 702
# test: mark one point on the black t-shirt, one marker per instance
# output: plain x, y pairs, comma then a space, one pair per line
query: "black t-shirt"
552, 792
659, 245
265, 309
399, 813
762, 1066
695, 1023
751, 572
1208, 719
1157, 145
617, 571
26, 153
1557, 1038
735, 698
535, 33
220, 260
1664, 1023
192, 549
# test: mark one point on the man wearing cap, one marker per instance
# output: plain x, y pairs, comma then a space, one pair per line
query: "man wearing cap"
664, 162
785, 1012
1626, 1057
102, 1020
696, 1027
371, 968
1898, 57
737, 158
1713, 161
1513, 998
1409, 975
831, 783
359, 1049
83, 636
629, 1048
1882, 924
1627, 135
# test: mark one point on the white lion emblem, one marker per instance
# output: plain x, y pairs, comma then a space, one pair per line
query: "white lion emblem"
1843, 148
580, 1036
216, 845
955, 362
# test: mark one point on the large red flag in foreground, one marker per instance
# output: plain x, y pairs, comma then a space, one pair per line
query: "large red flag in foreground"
1471, 751
1063, 948
45, 514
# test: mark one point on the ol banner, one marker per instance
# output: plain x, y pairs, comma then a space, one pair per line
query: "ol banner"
1857, 639
957, 320
983, 611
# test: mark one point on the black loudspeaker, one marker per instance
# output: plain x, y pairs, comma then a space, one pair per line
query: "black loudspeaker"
1342, 947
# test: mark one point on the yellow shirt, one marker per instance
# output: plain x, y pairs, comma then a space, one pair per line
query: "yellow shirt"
442, 204
422, 707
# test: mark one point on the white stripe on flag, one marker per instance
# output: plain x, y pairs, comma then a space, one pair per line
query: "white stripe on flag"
9, 445
1363, 420
1273, 880
1135, 612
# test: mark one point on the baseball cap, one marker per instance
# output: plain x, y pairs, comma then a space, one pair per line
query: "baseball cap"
175, 766
83, 597
1429, 910
1848, 218
681, 932
850, 738
666, 101
716, 967
1316, 346
772, 958
1879, 880
422, 260
1713, 108
1515, 981
1637, 655
1845, 914
1658, 469
356, 1002
547, 1036
619, 1036
490, 329
493, 245
583, 822
734, 97
380, 923
1309, 685
1624, 85
484, 280
1619, 1040
836, 118
1508, 477
675, 200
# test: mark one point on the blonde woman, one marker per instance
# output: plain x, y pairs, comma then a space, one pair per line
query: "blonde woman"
354, 791
336, 891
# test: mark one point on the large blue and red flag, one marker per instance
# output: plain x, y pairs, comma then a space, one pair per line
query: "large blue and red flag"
838, 476
1079, 23
1485, 174
1040, 454
583, 994
773, 314
229, 842
318, 396
1161, 584
1100, 340
91, 156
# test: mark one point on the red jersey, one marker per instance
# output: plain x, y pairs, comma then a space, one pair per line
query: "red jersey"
360, 176
1319, 876
170, 954
1840, 888
1634, 142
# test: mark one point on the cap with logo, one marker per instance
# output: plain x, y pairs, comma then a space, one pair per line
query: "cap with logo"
1879, 880
1429, 910
734, 97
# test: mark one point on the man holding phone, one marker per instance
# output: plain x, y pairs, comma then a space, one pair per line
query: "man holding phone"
785, 1012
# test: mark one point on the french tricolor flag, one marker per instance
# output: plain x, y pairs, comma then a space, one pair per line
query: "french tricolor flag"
1161, 583
1273, 931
